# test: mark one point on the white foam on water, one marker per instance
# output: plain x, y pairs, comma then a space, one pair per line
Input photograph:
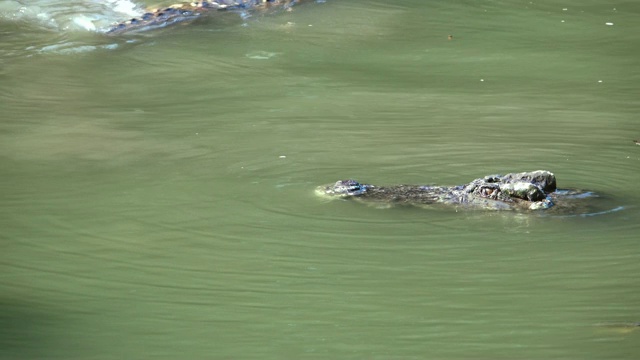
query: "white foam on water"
125, 7
74, 15
64, 27
73, 48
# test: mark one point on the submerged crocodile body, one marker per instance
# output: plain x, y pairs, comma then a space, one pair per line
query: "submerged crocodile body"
516, 191
185, 12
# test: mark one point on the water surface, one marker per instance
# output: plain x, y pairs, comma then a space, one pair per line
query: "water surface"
157, 189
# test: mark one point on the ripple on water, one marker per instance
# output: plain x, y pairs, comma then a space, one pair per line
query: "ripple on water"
261, 55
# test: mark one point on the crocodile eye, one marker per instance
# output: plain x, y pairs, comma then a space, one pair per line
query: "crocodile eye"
488, 192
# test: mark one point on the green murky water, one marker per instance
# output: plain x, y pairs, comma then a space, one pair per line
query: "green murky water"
157, 196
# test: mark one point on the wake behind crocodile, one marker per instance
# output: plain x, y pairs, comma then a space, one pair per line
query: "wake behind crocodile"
69, 16
125, 16
66, 21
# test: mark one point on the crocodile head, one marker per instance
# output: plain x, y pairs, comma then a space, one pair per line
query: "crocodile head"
342, 189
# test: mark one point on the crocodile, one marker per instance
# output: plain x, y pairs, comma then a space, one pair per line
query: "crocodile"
187, 12
533, 190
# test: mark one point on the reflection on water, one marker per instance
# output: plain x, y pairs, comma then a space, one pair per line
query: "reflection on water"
157, 199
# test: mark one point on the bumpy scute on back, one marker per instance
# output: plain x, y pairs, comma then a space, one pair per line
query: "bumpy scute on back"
185, 12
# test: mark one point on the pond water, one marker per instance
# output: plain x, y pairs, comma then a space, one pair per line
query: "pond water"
157, 189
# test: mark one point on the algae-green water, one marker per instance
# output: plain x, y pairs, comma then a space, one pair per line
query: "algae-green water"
157, 189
